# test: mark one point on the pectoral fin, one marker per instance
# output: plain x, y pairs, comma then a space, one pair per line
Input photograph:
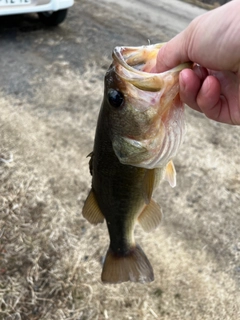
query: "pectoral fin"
170, 174
91, 210
150, 217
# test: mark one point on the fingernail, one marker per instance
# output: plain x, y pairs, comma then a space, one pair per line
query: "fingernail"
200, 71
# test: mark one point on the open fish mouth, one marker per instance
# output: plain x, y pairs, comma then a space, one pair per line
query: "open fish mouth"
135, 58
148, 130
136, 63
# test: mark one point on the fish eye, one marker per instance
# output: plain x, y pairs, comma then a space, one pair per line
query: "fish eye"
115, 98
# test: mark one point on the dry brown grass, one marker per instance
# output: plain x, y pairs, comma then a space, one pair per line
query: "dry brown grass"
51, 257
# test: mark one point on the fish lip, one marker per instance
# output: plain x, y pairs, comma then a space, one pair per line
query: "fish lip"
143, 80
119, 56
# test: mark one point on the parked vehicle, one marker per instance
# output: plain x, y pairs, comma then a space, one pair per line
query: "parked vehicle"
51, 12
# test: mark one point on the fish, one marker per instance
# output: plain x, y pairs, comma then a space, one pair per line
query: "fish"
139, 130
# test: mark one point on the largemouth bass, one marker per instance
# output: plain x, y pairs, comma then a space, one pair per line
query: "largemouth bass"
139, 130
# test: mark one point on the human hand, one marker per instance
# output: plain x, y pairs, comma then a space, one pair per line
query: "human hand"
212, 42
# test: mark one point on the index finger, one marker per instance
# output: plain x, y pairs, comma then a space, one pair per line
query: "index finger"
172, 54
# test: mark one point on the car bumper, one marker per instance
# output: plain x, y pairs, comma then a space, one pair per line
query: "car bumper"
36, 6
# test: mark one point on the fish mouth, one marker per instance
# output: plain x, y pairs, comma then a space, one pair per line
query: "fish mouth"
154, 105
134, 65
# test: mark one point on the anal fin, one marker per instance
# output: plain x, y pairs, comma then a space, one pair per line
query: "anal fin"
150, 217
91, 210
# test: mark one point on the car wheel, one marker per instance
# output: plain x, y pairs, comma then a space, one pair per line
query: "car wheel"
53, 18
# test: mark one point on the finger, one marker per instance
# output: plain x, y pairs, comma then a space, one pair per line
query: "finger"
219, 98
230, 90
168, 57
190, 84
208, 98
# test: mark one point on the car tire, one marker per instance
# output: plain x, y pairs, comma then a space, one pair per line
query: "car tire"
53, 18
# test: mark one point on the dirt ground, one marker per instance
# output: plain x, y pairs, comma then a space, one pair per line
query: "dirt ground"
51, 87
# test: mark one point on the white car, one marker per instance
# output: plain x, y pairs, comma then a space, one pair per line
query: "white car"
51, 12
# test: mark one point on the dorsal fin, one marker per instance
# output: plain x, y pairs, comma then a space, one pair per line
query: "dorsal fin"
170, 174
90, 162
91, 210
151, 216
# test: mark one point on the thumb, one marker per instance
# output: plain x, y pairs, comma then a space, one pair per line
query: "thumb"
172, 54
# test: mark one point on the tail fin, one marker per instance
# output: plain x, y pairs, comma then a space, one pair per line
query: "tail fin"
133, 267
